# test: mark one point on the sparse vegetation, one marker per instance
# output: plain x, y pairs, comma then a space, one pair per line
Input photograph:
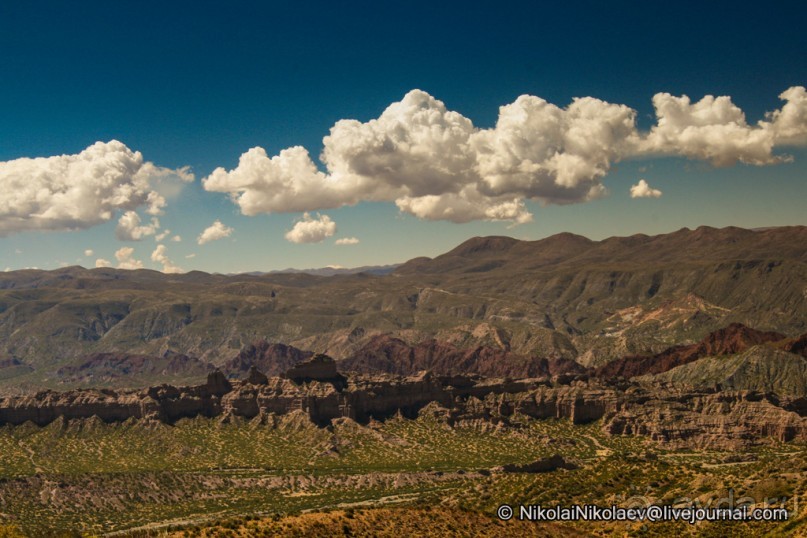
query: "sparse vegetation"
564, 297
204, 478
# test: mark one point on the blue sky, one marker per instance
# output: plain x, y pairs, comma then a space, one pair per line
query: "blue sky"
199, 84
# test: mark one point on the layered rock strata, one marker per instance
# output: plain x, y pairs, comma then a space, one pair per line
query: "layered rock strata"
687, 419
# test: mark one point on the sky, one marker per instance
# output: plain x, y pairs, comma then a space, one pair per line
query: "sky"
256, 136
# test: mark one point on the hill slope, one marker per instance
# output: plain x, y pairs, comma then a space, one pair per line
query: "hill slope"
563, 296
761, 368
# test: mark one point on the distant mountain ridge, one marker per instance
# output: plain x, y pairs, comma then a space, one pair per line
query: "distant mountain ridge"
702, 244
333, 270
563, 297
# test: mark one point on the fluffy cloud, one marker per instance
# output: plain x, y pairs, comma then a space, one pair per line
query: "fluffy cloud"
347, 241
289, 182
417, 147
130, 229
70, 192
789, 124
311, 230
214, 232
126, 260
176, 238
89, 252
434, 164
100, 262
643, 190
465, 206
160, 256
554, 155
713, 129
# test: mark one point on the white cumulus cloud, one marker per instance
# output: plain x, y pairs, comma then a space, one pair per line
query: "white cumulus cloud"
100, 262
89, 252
214, 232
311, 230
643, 190
71, 192
789, 123
542, 152
713, 129
159, 255
126, 260
287, 182
435, 164
465, 206
130, 229
347, 241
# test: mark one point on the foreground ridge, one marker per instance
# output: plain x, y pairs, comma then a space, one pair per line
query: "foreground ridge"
706, 418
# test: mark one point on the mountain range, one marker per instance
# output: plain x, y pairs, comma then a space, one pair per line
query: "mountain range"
492, 305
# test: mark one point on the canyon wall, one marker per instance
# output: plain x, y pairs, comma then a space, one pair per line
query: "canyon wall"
671, 416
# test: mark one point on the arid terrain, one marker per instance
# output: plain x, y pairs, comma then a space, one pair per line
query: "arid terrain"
630, 371
564, 297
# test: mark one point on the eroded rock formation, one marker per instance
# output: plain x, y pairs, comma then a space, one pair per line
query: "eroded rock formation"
318, 368
692, 419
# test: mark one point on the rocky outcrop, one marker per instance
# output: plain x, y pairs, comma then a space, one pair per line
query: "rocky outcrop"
686, 419
217, 384
735, 338
318, 368
271, 359
729, 420
256, 377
